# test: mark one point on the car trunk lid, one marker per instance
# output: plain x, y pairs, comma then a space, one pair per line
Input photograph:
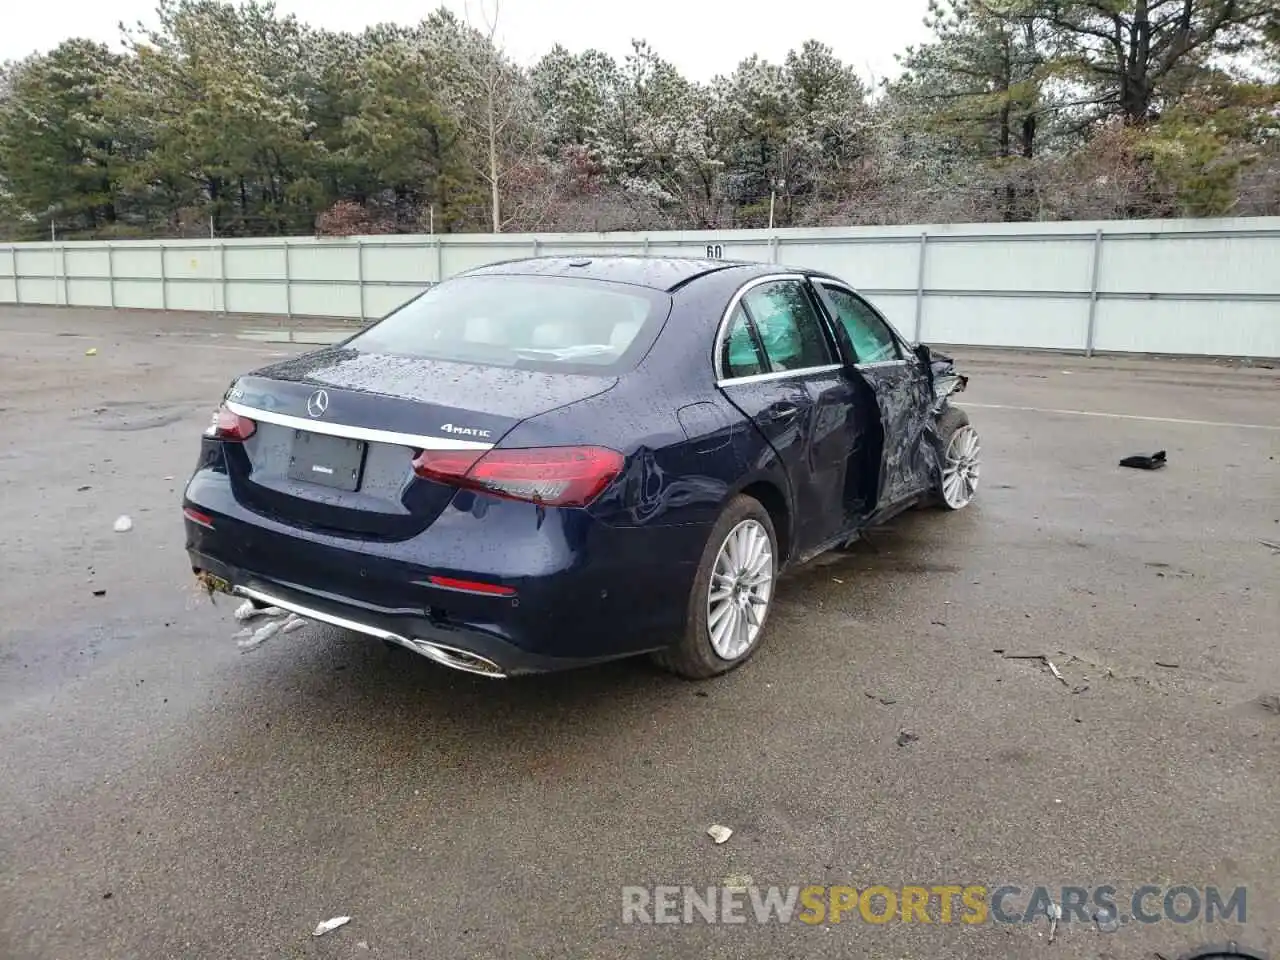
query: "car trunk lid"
337, 432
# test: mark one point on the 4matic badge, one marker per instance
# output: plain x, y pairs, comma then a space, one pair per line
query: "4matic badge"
465, 431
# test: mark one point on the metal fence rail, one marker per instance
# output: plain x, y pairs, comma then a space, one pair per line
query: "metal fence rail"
1205, 287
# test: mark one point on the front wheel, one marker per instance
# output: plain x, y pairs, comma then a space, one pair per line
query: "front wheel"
731, 596
961, 459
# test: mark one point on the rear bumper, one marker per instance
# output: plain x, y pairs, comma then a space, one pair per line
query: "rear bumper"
457, 648
584, 592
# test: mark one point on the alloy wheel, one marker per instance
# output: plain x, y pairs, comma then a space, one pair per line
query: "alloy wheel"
740, 590
961, 469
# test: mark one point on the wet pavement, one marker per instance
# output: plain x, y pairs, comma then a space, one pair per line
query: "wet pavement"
165, 794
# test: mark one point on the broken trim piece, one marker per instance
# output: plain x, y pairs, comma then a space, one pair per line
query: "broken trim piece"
948, 384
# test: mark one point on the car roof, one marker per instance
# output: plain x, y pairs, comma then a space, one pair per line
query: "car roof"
658, 273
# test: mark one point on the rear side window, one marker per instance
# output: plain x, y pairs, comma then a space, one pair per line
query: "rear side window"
741, 355
788, 325
541, 323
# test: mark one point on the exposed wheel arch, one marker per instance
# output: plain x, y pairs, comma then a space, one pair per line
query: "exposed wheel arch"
772, 498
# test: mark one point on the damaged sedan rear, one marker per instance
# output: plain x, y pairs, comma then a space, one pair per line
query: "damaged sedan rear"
555, 462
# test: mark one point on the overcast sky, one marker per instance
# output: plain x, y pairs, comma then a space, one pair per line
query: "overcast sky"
701, 37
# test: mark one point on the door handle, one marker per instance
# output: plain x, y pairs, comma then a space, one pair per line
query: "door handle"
783, 410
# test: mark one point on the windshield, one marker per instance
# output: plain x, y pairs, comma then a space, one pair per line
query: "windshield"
556, 324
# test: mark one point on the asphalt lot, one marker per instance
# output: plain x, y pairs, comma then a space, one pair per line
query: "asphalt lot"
164, 794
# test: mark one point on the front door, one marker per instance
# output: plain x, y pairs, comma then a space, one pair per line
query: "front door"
779, 366
908, 462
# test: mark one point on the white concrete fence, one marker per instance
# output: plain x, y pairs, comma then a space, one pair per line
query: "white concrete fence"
1203, 287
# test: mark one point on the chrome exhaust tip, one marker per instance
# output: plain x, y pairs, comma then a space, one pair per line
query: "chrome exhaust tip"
451, 657
457, 659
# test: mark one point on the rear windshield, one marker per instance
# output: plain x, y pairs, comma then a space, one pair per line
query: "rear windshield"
560, 324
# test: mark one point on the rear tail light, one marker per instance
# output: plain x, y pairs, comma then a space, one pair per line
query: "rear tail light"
197, 516
228, 425
555, 476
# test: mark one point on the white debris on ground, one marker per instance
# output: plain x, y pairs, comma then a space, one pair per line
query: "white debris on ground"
260, 636
247, 611
328, 925
248, 638
123, 524
719, 833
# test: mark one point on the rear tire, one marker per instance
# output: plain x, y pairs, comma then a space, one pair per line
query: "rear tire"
959, 453
724, 628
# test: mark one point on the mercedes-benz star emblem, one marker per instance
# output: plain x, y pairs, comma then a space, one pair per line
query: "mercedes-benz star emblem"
318, 403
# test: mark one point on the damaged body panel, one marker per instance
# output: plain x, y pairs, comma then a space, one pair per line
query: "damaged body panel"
553, 462
909, 462
945, 381
911, 394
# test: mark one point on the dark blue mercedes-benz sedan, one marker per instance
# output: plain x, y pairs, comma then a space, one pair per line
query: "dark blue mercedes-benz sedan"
554, 462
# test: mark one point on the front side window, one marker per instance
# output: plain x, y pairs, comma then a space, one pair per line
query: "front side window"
541, 323
788, 324
871, 339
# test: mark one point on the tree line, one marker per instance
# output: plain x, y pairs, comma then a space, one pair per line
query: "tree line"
238, 121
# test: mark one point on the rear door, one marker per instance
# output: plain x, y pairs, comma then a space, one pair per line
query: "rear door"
779, 367
901, 387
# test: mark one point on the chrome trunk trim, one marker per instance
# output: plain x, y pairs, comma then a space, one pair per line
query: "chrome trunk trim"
411, 440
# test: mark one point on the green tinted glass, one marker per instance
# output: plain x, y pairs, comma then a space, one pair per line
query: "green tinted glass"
871, 339
789, 326
741, 358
